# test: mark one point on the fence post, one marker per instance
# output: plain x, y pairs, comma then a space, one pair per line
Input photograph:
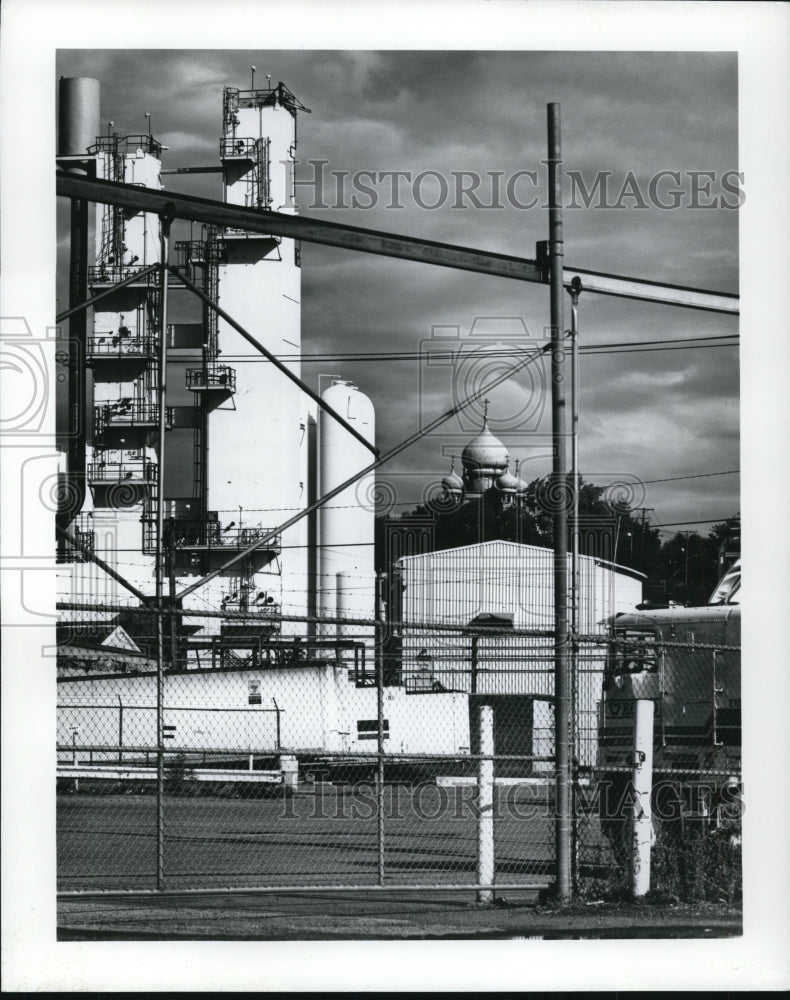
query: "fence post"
642, 832
485, 806
120, 729
378, 639
277, 721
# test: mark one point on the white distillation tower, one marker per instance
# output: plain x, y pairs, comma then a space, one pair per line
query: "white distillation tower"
121, 412
257, 460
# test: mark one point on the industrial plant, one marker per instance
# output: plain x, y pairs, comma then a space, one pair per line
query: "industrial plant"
196, 475
250, 619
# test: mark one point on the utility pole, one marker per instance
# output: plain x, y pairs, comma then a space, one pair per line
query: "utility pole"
562, 710
165, 218
644, 511
574, 291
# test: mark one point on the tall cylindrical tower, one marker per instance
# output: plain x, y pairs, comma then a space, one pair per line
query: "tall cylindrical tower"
256, 462
346, 565
78, 114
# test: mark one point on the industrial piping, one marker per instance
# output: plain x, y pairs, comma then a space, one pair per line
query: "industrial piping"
78, 125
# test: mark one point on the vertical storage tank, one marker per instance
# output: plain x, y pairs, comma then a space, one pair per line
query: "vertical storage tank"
346, 567
78, 114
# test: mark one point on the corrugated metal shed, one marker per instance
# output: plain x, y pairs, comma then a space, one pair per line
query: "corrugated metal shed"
486, 587
453, 586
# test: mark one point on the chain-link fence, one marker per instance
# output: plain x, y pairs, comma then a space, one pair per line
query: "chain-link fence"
691, 741
436, 767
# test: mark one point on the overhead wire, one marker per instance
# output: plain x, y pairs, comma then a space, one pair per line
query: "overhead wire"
479, 353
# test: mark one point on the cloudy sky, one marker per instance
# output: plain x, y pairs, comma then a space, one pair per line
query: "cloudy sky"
645, 415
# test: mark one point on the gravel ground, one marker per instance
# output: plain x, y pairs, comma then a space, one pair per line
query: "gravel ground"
391, 915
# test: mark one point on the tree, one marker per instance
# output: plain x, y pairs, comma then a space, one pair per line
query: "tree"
607, 530
690, 565
685, 568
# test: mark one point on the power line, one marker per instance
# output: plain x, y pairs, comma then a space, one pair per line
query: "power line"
710, 520
479, 353
656, 350
699, 475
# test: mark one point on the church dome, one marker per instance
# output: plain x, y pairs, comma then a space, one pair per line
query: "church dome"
453, 483
507, 483
485, 452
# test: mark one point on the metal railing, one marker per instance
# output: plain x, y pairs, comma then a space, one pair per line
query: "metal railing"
233, 99
212, 377
135, 471
209, 534
111, 274
116, 143
111, 345
231, 147
128, 413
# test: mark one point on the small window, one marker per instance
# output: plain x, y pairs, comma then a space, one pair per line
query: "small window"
368, 729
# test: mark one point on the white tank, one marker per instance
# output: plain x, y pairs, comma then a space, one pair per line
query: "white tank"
346, 524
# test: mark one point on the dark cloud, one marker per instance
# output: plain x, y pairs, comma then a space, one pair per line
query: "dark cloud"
656, 415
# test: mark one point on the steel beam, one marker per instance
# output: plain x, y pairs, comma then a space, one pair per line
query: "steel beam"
386, 244
652, 291
220, 213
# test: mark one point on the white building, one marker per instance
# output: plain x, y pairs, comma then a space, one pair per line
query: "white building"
307, 709
491, 589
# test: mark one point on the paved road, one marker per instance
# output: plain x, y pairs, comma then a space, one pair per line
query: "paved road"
109, 841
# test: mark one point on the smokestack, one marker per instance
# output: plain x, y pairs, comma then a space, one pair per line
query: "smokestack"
78, 114
78, 126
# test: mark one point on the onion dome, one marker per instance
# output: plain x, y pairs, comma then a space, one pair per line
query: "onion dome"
507, 483
522, 487
453, 483
485, 452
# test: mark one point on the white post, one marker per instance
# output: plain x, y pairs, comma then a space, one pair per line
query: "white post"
485, 806
642, 833
289, 768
